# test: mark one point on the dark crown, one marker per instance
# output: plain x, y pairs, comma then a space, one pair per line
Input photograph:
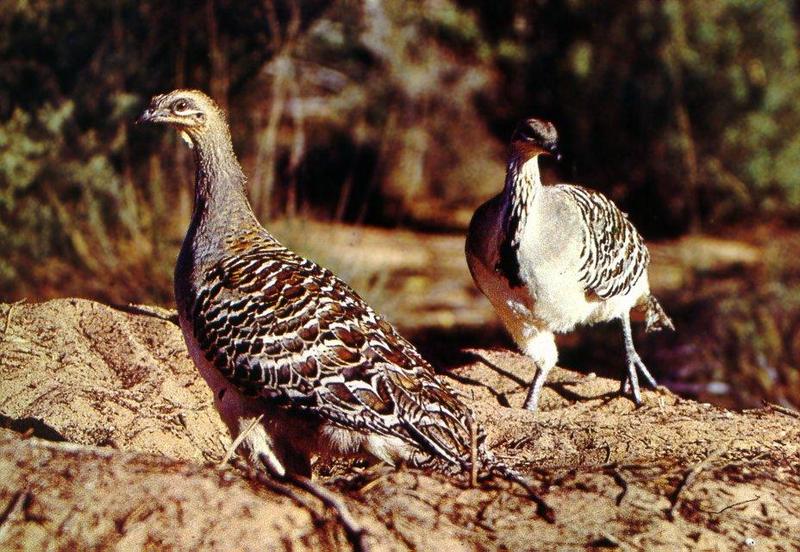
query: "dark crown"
539, 133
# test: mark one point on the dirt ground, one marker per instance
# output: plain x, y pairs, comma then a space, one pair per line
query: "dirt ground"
111, 442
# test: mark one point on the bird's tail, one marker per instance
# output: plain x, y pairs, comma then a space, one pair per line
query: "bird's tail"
655, 317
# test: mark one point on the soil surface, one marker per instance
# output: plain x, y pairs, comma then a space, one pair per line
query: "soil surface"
111, 441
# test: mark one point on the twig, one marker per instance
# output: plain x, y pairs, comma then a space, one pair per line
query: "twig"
473, 452
734, 505
623, 485
687, 480
17, 501
277, 487
356, 533
231, 450
147, 310
8, 315
480, 515
543, 509
781, 409
370, 484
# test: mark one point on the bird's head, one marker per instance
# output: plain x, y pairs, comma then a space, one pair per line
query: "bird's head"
534, 137
191, 112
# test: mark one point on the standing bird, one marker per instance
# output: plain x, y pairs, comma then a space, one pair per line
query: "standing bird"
552, 257
290, 351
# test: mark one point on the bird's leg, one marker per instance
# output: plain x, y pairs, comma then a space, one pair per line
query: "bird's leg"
535, 390
631, 381
540, 346
259, 445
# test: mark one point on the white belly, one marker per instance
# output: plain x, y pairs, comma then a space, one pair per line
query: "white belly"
552, 298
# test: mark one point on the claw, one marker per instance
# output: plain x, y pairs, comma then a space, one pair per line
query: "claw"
630, 385
625, 385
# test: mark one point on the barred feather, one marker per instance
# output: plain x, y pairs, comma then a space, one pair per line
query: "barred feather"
281, 327
550, 258
614, 255
287, 332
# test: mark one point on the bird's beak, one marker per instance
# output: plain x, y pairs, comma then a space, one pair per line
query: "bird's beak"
147, 116
553, 150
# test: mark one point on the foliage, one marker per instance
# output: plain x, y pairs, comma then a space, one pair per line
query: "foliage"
389, 113
683, 111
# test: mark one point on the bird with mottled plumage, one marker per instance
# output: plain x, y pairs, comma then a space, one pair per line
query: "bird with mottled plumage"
289, 350
550, 258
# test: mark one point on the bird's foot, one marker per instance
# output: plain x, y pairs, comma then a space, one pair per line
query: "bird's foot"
630, 385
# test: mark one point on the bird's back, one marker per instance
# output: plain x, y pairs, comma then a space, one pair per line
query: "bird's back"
275, 335
282, 328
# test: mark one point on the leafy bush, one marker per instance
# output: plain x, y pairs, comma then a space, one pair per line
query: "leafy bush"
387, 113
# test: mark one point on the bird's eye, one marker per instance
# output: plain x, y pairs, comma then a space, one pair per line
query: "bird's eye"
526, 133
181, 105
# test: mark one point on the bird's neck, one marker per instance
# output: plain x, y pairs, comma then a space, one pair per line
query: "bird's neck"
522, 187
523, 184
220, 196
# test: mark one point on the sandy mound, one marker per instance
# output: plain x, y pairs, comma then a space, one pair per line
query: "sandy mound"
673, 474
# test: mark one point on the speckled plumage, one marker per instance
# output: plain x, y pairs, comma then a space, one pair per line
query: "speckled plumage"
283, 329
552, 257
283, 341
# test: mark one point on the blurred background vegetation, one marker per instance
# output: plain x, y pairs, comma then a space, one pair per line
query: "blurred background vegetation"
395, 115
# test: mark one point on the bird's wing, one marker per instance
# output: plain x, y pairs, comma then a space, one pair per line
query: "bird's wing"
278, 325
614, 255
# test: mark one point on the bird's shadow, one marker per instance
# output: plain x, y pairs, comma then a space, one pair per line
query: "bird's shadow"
562, 388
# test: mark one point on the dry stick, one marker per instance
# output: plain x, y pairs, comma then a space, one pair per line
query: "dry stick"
17, 501
481, 515
395, 528
543, 509
687, 480
734, 505
160, 313
623, 484
8, 315
473, 452
781, 409
239, 438
277, 487
370, 484
356, 533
